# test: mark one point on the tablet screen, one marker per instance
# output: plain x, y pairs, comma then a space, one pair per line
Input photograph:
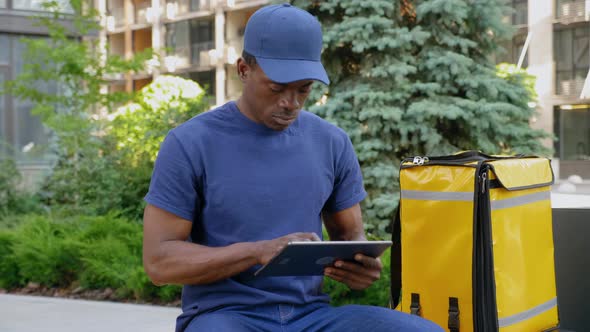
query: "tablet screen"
310, 258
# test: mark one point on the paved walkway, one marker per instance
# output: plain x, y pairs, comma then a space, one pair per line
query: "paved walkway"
20, 313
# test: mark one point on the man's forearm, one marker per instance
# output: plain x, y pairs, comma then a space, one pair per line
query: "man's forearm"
346, 225
180, 262
347, 236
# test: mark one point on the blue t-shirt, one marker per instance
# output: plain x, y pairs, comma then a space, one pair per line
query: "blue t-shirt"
239, 181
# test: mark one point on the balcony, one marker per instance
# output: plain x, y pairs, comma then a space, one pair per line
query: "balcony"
142, 12
195, 55
116, 44
571, 87
118, 14
182, 7
200, 53
238, 2
572, 11
179, 58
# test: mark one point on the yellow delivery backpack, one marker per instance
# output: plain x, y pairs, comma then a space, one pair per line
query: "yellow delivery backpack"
476, 246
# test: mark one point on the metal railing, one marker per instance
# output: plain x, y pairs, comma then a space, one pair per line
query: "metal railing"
569, 87
118, 13
198, 5
183, 56
200, 53
141, 12
572, 10
181, 7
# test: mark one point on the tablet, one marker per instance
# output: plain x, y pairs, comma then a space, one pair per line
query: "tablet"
311, 257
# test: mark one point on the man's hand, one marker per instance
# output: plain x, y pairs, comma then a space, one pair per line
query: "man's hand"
356, 275
270, 248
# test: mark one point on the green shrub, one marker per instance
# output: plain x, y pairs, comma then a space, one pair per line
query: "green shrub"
140, 286
9, 179
14, 201
140, 127
378, 294
8, 268
113, 171
11, 221
97, 252
106, 252
107, 263
46, 252
111, 225
169, 292
111, 251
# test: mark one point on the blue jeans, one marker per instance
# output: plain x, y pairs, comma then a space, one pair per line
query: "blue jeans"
310, 317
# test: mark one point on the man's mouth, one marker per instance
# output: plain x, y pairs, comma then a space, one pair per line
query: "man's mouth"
284, 120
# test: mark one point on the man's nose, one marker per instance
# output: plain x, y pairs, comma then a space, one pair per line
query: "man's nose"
289, 100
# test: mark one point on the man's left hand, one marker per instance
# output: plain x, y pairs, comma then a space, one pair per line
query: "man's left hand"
356, 275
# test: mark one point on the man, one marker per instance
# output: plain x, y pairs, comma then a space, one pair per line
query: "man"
231, 187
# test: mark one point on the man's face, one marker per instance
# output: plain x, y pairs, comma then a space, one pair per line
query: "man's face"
272, 104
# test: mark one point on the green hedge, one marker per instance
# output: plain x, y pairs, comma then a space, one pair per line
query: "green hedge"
106, 252
377, 294
96, 252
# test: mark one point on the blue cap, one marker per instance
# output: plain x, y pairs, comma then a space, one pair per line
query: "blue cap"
287, 44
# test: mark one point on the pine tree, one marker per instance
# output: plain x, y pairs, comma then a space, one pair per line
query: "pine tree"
413, 77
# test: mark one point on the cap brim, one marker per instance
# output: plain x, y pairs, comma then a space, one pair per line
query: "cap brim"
287, 71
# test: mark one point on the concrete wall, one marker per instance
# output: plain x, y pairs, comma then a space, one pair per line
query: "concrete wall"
541, 64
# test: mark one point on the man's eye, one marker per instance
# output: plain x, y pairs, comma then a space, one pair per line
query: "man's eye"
275, 89
305, 90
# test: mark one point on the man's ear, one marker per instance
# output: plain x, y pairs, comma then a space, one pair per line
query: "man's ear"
243, 69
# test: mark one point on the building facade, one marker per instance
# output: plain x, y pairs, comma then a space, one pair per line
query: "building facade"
558, 33
202, 39
197, 39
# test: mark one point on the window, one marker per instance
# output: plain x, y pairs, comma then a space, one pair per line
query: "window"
190, 41
572, 126
4, 50
141, 11
205, 79
572, 59
201, 34
178, 40
184, 6
512, 51
64, 5
520, 14
197, 5
22, 134
117, 10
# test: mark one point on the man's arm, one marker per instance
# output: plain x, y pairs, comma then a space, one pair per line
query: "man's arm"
347, 225
169, 259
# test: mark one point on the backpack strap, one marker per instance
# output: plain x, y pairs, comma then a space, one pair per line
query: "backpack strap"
396, 260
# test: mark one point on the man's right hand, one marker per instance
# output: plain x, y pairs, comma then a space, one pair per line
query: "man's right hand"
269, 248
